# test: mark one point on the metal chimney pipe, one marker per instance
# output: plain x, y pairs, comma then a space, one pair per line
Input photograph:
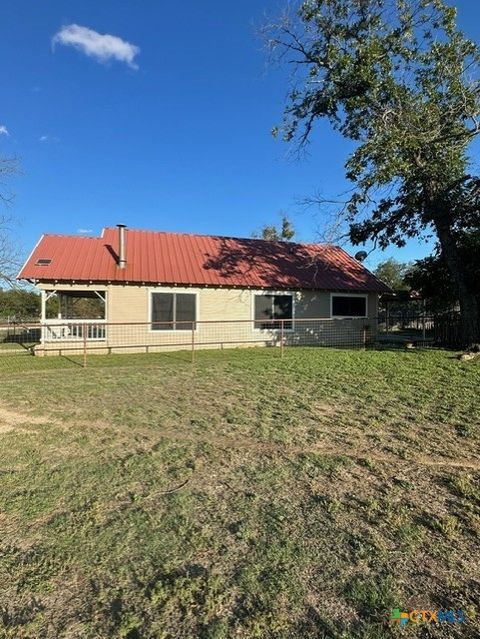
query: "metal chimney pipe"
122, 246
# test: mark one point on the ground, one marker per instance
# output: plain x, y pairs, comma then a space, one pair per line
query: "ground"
243, 496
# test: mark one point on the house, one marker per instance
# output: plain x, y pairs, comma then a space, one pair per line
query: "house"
135, 290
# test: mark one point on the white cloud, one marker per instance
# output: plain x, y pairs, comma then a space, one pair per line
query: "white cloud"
3, 130
84, 231
101, 47
48, 138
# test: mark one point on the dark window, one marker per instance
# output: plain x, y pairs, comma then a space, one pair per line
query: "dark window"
173, 311
162, 311
269, 308
346, 306
185, 311
43, 262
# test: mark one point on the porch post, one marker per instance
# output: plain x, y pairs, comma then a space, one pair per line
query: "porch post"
43, 314
43, 297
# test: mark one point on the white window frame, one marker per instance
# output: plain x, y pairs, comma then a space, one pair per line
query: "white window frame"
266, 292
178, 291
364, 295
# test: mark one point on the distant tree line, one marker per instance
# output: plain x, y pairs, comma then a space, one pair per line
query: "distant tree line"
17, 304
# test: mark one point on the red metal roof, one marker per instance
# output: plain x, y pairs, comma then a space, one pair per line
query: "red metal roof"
174, 258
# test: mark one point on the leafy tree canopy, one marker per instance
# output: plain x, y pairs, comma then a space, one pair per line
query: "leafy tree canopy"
393, 272
19, 304
401, 81
285, 232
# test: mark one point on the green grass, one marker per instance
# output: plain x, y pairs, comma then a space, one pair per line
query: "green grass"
244, 496
11, 346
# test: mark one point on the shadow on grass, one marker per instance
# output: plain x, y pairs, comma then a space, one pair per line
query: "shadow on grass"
76, 363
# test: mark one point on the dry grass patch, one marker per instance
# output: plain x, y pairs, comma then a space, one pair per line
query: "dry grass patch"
245, 497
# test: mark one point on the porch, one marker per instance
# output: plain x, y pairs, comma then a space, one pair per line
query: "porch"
73, 315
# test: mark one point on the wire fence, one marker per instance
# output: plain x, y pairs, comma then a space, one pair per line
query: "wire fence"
85, 338
442, 329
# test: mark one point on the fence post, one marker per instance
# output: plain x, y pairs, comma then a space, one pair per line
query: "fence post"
193, 343
424, 319
84, 331
282, 331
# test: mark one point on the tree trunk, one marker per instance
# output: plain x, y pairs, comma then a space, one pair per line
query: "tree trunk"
469, 311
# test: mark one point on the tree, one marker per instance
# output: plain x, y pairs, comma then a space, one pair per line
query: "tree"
274, 234
393, 272
398, 79
19, 304
433, 279
8, 251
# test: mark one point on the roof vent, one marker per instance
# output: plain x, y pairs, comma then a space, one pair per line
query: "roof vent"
43, 262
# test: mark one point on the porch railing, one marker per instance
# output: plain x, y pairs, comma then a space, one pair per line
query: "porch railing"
57, 330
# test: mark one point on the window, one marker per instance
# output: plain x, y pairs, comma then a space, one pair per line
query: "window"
173, 311
349, 305
273, 307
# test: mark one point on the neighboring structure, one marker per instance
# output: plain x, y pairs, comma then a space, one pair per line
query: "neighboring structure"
219, 291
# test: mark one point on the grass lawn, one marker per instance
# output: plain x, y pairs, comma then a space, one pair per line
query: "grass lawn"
12, 346
245, 496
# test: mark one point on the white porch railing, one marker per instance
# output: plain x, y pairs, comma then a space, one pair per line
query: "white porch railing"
58, 330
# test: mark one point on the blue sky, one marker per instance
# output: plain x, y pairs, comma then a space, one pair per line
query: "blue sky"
172, 136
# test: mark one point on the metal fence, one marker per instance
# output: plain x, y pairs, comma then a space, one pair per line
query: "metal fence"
63, 337
442, 329
89, 337
418, 327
